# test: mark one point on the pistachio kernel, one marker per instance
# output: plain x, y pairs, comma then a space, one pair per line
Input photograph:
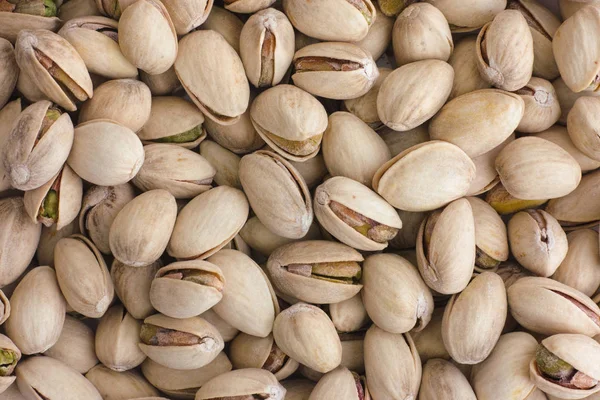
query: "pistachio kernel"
483, 260
197, 276
297, 147
504, 203
531, 20
560, 371
43, 8
428, 231
245, 396
267, 59
67, 84
112, 8
153, 335
391, 8
312, 63
276, 360
367, 227
348, 272
8, 361
188, 136
364, 9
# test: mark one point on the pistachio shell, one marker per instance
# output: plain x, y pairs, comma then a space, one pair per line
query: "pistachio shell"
75, 346
241, 383
340, 383
542, 109
566, 98
78, 9
397, 143
428, 341
12, 356
115, 385
4, 307
247, 6
248, 351
9, 71
298, 389
580, 269
349, 315
365, 106
578, 207
490, 231
132, 285
8, 115
441, 379
187, 15
466, 73
468, 15
240, 137
407, 236
227, 331
225, 23
504, 203
581, 125
558, 135
379, 36
226, 163
11, 24
486, 176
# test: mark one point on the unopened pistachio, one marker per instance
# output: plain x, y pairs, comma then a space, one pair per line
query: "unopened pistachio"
469, 15
577, 209
245, 383
227, 24
442, 379
75, 346
579, 269
132, 286
341, 383
542, 109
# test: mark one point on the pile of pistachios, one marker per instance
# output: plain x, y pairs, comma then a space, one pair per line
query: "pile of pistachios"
299, 199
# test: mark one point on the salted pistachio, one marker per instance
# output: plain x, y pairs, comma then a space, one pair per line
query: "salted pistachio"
42, 377
365, 106
341, 383
479, 121
148, 18
542, 109
486, 176
579, 269
537, 241
37, 146
187, 15
225, 162
504, 203
446, 255
466, 73
132, 286
578, 208
75, 346
227, 24
337, 20
247, 6
490, 235
37, 312
248, 351
315, 271
240, 137
246, 383
77, 9
213, 76
182, 172
581, 126
532, 168
9, 71
163, 84
83, 276
565, 365
261, 239
549, 307
227, 331
96, 40
407, 236
469, 15
9, 357
267, 47
105, 153
127, 384
566, 98
349, 315
298, 389
425, 177
428, 341
443, 379
559, 135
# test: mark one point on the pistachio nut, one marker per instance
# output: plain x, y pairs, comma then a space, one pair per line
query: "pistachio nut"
407, 236
470, 15
240, 137
227, 331
542, 109
8, 115
365, 106
442, 379
244, 383
56, 67
341, 383
549, 307
353, 351
490, 235
4, 307
532, 168
245, 280
505, 51
101, 204
147, 37
9, 357
581, 126
349, 315
247, 6
77, 9
446, 247
570, 7
566, 98
379, 36
113, 385
397, 143
75, 346
392, 8
225, 162
428, 341
132, 286
415, 180
473, 319
117, 338
27, 87
37, 312
306, 334
237, 243
566, 365
486, 176
392, 364
163, 84
504, 203
248, 351
316, 271
83, 276
479, 121
227, 24
113, 8
183, 384
9, 71
96, 40
19, 238
187, 288
105, 153
12, 21
37, 146
337, 20
277, 193
298, 389
42, 377
559, 135
413, 93
213, 76
187, 15
578, 209
208, 222
466, 71
310, 374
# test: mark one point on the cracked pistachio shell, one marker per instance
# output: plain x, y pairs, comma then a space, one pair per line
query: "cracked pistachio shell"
428, 341
407, 236
413, 93
447, 263
162, 84
247, 6
227, 331
578, 208
261, 239
267, 47
120, 385
549, 307
532, 168
147, 37
379, 36
242, 383
73, 82
505, 51
45, 376
316, 289
69, 190
105, 153
486, 176
13, 23
365, 106
19, 238
298, 389
306, 334
537, 241
240, 137
466, 73
248, 351
391, 279
443, 380
425, 177
186, 356
580, 269
317, 71
336, 20
83, 276
505, 373
542, 109
28, 162
349, 315
341, 383
75, 346
559, 135
132, 286
473, 319
566, 98
101, 204
183, 384
208, 222
358, 200
225, 162
182, 172
213, 76
9, 71
582, 126
352, 149
95, 39
117, 338
141, 231
421, 32
8, 115
249, 303
187, 15
225, 23
392, 364
37, 312
490, 232
479, 121
277, 193
581, 352
469, 15
8, 377
183, 298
